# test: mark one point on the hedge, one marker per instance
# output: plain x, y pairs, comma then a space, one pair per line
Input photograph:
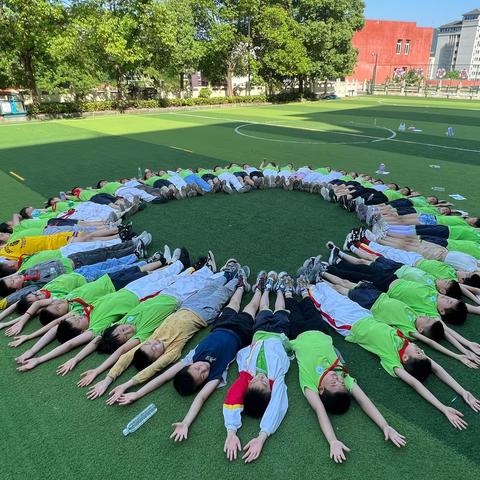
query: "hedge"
56, 108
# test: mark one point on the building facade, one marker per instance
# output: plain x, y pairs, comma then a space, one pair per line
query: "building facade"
388, 49
458, 48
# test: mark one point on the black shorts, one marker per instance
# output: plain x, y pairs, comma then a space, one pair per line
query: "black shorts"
103, 199
405, 210
240, 323
241, 174
375, 198
122, 278
273, 322
304, 317
443, 242
209, 176
61, 222
161, 183
337, 182
365, 294
401, 203
256, 173
432, 231
382, 263
353, 183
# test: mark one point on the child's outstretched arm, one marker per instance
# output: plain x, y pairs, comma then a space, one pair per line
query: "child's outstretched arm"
337, 448
372, 411
180, 431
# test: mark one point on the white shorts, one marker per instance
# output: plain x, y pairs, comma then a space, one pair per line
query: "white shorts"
77, 247
90, 211
396, 254
337, 310
130, 193
462, 261
270, 173
285, 174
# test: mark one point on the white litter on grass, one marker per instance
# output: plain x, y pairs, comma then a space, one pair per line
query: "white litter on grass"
438, 189
434, 166
457, 196
382, 173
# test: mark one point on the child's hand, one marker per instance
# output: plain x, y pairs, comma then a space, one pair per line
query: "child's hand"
127, 398
232, 445
97, 390
392, 435
18, 341
24, 357
28, 365
87, 378
66, 367
336, 451
471, 401
466, 361
253, 448
14, 330
180, 432
455, 418
115, 394
475, 347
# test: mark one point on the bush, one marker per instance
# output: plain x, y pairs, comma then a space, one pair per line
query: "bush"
205, 93
56, 108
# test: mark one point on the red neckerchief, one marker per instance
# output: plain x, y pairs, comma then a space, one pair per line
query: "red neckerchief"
76, 192
68, 213
87, 309
46, 293
34, 277
333, 366
406, 343
20, 261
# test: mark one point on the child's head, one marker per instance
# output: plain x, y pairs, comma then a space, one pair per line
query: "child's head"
26, 212
115, 336
432, 200
124, 180
190, 378
473, 222
4, 238
7, 268
150, 351
393, 186
71, 327
26, 301
451, 310
431, 327
445, 210
10, 285
471, 279
257, 396
334, 394
57, 309
101, 183
406, 191
6, 227
416, 363
450, 288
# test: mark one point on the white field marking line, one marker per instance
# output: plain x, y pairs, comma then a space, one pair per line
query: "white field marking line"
390, 139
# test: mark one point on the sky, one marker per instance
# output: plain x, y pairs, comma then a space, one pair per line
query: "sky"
427, 13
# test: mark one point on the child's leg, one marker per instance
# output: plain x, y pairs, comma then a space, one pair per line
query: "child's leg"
265, 300
254, 304
334, 280
339, 288
280, 301
357, 261
236, 300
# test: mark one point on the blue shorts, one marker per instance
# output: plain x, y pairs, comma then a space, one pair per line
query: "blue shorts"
365, 294
427, 219
273, 322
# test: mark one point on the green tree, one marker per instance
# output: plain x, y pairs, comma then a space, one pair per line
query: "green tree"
27, 27
452, 75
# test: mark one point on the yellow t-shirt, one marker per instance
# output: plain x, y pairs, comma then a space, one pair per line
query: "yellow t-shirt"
30, 245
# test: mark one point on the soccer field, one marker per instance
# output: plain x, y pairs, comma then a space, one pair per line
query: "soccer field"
51, 431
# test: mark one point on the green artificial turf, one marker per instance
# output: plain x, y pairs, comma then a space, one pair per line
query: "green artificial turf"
51, 431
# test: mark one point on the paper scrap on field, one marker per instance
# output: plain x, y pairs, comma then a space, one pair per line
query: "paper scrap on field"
457, 196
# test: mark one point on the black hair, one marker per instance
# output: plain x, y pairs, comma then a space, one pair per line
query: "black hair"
98, 184
449, 211
108, 343
5, 228
435, 197
23, 304
141, 360
395, 186
66, 331
6, 270
23, 213
473, 280
336, 402
184, 383
454, 290
49, 202
455, 315
255, 402
435, 331
46, 316
420, 368
477, 223
409, 190
5, 291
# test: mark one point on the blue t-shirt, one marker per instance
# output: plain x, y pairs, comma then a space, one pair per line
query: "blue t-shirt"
219, 349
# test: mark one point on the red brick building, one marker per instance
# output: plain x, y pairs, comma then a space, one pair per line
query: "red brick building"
395, 46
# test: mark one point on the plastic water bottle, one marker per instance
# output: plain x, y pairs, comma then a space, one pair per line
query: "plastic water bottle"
438, 189
134, 424
62, 196
139, 173
381, 168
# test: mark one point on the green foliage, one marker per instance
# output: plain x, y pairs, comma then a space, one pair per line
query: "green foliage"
205, 93
452, 75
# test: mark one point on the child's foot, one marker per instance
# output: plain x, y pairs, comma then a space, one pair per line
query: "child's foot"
302, 285
261, 280
211, 262
280, 283
243, 274
167, 253
271, 279
289, 286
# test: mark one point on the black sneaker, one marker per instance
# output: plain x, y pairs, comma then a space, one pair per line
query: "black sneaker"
157, 257
140, 250
201, 261
185, 257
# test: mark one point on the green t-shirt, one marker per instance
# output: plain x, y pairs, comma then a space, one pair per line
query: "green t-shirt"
205, 171
393, 194
27, 232
260, 335
110, 309
315, 354
346, 178
110, 188
88, 193
219, 171
150, 181
63, 206
394, 313
90, 292
380, 339
185, 172
235, 169
46, 256
422, 299
262, 366
148, 315
451, 221
366, 183
438, 270
468, 247
287, 168
322, 170
419, 201
61, 286
270, 166
413, 274
428, 210
464, 233
29, 223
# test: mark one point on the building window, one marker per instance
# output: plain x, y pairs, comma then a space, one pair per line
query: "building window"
407, 47
399, 46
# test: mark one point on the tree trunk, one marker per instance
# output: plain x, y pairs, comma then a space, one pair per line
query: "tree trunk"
300, 84
182, 83
229, 80
30, 76
118, 79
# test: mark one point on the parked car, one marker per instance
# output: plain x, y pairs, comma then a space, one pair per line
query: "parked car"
329, 96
